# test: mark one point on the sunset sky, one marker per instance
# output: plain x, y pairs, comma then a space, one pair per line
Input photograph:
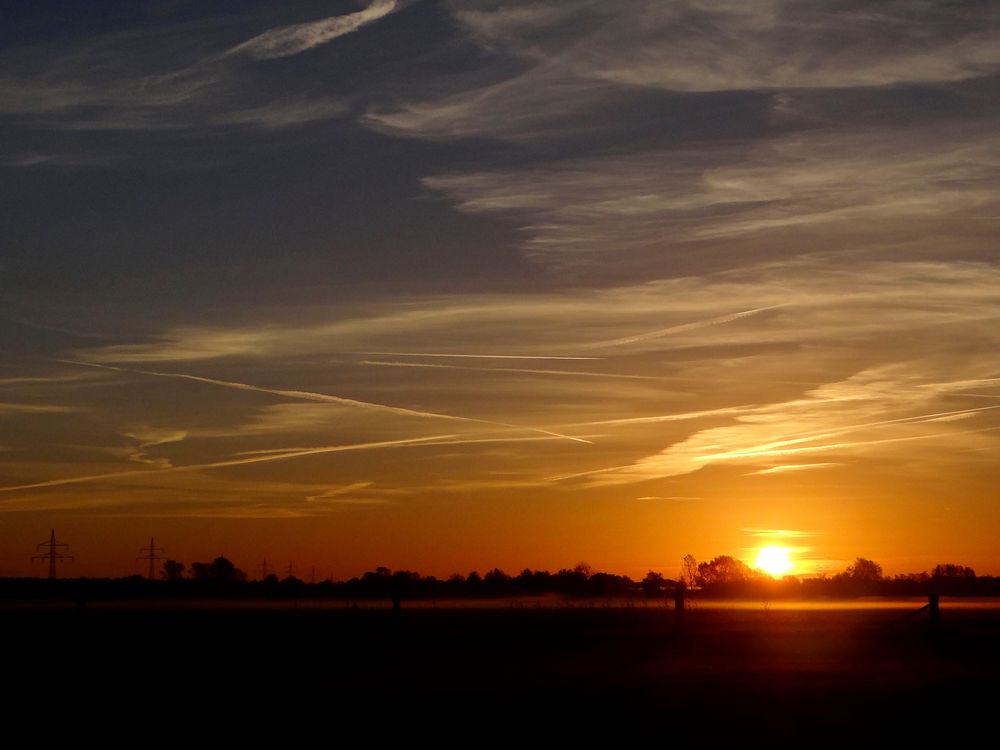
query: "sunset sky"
461, 285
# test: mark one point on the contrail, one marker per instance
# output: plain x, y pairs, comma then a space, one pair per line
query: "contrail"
443, 440
572, 373
233, 462
323, 397
834, 431
684, 327
280, 454
575, 475
961, 384
679, 417
755, 452
472, 356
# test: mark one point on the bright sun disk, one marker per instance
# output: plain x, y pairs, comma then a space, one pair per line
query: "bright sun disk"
774, 560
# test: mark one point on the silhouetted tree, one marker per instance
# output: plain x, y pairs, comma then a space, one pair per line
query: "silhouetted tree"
653, 583
201, 571
223, 570
863, 576
172, 570
220, 570
474, 584
724, 569
949, 570
948, 578
572, 581
863, 570
689, 571
608, 584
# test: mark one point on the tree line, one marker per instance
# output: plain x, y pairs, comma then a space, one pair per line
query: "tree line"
721, 577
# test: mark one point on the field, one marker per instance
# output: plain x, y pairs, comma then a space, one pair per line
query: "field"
720, 672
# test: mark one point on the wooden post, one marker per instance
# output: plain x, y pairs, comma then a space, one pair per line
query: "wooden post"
934, 607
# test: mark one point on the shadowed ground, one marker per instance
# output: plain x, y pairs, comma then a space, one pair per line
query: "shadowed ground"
722, 673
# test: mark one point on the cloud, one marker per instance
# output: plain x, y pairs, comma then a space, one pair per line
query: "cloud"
13, 408
285, 113
785, 468
780, 533
816, 424
45, 379
150, 436
300, 37
644, 208
355, 494
575, 57
160, 80
672, 498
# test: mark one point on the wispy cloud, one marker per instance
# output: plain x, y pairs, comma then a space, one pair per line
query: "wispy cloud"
634, 207
671, 498
780, 533
300, 37
23, 380
831, 410
285, 113
578, 56
13, 408
355, 494
150, 436
163, 80
785, 468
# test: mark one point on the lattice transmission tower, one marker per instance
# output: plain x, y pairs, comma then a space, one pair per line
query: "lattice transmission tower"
151, 553
54, 555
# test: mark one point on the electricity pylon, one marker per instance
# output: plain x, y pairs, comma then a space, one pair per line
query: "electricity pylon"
53, 555
150, 553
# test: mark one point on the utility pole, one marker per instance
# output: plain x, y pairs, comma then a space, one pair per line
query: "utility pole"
150, 553
291, 569
53, 555
312, 574
264, 570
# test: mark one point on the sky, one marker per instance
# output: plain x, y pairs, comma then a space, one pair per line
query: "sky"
448, 286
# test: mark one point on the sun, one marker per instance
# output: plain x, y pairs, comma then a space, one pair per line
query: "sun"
774, 560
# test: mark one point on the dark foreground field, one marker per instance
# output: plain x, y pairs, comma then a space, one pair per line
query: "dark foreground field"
825, 675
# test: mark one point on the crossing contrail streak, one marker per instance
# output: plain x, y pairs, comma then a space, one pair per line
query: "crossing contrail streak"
682, 328
235, 461
323, 397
